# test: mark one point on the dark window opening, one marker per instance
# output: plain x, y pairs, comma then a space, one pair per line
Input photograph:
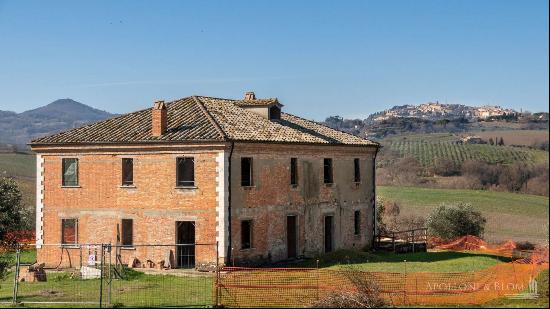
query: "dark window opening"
328, 234
70, 172
274, 112
185, 172
127, 172
291, 236
246, 234
69, 231
127, 232
327, 171
356, 170
357, 222
246, 172
294, 171
185, 244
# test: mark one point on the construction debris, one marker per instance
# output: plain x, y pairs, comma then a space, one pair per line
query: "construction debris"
33, 273
90, 272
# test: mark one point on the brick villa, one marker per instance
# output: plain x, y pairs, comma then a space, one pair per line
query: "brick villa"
264, 184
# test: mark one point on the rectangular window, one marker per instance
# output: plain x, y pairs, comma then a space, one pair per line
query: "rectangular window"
127, 232
327, 170
294, 171
69, 231
127, 171
70, 172
246, 234
357, 222
246, 172
356, 170
185, 172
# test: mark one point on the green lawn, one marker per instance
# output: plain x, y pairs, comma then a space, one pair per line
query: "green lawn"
139, 290
18, 164
541, 302
513, 216
441, 261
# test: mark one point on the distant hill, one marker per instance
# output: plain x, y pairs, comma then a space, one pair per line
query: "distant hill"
438, 118
59, 115
438, 111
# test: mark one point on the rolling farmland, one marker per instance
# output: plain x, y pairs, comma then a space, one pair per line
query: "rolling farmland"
426, 148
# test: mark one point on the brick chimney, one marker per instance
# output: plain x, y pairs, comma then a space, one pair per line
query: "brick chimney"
159, 119
248, 96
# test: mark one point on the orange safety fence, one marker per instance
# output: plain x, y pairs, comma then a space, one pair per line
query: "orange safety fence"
303, 287
473, 243
258, 287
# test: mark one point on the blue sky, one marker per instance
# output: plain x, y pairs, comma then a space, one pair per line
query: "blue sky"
320, 58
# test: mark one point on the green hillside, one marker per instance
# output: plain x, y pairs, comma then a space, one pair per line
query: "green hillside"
22, 166
509, 215
427, 147
19, 165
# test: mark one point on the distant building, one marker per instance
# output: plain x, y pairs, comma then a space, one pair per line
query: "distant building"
473, 140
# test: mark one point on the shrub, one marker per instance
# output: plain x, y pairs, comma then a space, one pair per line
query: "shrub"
365, 293
445, 167
410, 222
525, 245
10, 207
452, 221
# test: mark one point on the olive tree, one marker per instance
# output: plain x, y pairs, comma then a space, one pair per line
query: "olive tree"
455, 220
10, 213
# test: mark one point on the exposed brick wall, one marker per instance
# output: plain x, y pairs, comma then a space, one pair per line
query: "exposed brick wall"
272, 198
100, 202
155, 204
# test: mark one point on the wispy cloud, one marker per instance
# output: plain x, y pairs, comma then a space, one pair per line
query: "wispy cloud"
182, 81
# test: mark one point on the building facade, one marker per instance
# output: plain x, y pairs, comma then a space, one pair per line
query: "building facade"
264, 185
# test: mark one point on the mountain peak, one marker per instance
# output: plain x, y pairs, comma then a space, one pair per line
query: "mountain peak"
56, 116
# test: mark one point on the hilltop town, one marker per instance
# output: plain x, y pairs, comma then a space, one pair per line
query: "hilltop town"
438, 111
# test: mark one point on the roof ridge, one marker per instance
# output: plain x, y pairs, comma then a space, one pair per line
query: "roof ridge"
209, 117
325, 126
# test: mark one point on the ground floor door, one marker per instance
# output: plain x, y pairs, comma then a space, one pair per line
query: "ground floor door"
185, 244
328, 233
291, 236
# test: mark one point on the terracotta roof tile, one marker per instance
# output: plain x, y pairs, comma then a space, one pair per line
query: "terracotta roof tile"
206, 119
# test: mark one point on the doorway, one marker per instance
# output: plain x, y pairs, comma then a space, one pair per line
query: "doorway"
185, 244
328, 234
291, 236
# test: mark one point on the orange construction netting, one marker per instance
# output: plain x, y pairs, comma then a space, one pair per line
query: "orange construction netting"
303, 287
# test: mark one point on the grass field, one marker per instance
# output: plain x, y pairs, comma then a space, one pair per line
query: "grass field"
20, 165
513, 216
427, 147
138, 291
439, 262
516, 137
141, 290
